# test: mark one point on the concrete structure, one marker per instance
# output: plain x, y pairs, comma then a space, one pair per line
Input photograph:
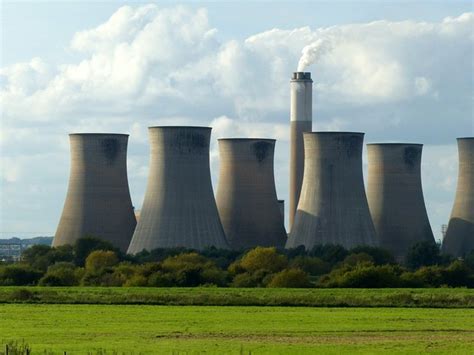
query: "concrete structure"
460, 234
395, 197
301, 121
246, 196
333, 206
179, 209
281, 204
98, 200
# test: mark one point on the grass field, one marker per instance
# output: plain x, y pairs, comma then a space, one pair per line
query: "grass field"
441, 297
236, 330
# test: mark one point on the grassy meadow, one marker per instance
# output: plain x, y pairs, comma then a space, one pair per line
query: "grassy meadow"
241, 329
98, 320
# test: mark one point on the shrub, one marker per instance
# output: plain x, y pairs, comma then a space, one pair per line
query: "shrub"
246, 280
329, 252
379, 256
84, 246
430, 276
263, 258
312, 265
358, 258
364, 275
291, 278
458, 274
60, 274
423, 254
42, 256
100, 259
18, 275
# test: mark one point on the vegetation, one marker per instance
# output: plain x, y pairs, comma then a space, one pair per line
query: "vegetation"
93, 262
218, 296
100, 329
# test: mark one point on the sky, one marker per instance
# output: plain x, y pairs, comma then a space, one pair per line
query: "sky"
398, 71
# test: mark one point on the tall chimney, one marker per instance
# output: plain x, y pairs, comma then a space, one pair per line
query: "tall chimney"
301, 121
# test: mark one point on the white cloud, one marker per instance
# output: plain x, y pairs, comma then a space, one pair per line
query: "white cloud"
150, 65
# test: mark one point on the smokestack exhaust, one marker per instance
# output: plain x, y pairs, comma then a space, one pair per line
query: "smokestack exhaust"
301, 116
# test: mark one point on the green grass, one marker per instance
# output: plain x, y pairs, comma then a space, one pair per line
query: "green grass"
441, 297
235, 330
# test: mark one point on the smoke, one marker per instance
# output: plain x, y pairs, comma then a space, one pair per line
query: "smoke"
313, 52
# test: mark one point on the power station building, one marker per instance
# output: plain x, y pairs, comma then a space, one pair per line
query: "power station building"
301, 112
179, 209
333, 207
98, 200
459, 238
246, 195
395, 196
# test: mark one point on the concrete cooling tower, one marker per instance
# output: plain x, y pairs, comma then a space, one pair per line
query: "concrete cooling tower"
333, 206
395, 197
98, 200
301, 87
459, 238
246, 196
179, 209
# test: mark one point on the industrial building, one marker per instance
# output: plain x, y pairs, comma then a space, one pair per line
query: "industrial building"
98, 202
395, 197
246, 196
459, 238
179, 209
301, 120
333, 207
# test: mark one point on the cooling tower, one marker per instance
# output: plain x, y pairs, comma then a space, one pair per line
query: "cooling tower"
301, 121
459, 238
395, 197
333, 206
281, 204
179, 209
98, 200
246, 196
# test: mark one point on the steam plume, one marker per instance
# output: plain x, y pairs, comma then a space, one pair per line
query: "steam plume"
312, 52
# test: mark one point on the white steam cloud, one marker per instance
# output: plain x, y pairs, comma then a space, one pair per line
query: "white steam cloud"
313, 52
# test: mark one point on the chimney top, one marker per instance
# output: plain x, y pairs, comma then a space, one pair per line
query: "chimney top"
299, 75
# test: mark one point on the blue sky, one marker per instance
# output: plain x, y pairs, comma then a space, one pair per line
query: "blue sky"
400, 71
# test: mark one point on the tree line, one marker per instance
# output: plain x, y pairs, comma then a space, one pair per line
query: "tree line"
93, 262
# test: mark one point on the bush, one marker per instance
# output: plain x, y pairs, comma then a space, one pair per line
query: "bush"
329, 252
290, 278
100, 259
359, 258
263, 258
18, 275
459, 274
312, 265
364, 276
60, 274
42, 256
84, 246
423, 254
379, 256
